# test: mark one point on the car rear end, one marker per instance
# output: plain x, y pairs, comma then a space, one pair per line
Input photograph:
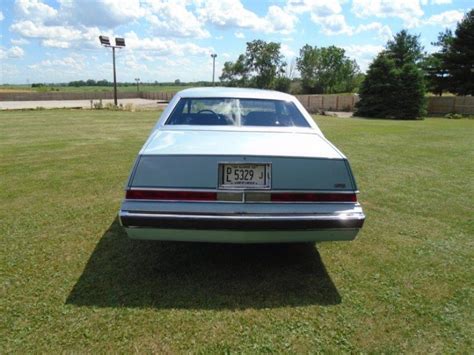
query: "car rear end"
240, 184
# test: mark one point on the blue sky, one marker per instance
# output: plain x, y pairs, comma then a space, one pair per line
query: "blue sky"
57, 40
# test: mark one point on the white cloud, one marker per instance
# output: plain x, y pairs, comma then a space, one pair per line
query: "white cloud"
287, 51
326, 13
445, 19
70, 63
363, 53
58, 36
146, 57
228, 13
164, 47
16, 52
333, 24
35, 30
409, 11
318, 8
231, 13
166, 18
134, 64
1, 16
101, 13
172, 18
384, 32
441, 2
55, 43
35, 10
336, 25
11, 53
239, 35
19, 41
279, 20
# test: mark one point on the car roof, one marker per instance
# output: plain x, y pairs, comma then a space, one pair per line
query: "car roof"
234, 93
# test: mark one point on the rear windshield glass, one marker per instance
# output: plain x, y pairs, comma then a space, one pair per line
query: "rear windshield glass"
236, 112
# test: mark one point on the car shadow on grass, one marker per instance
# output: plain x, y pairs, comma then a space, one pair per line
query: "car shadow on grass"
127, 273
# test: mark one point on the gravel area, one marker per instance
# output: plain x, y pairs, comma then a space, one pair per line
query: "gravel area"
342, 114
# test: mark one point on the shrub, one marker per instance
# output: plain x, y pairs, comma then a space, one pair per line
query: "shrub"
453, 116
282, 84
129, 107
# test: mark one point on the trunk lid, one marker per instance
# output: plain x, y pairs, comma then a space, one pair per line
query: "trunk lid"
189, 159
281, 143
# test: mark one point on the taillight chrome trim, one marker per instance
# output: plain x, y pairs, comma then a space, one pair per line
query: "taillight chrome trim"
312, 197
239, 196
166, 195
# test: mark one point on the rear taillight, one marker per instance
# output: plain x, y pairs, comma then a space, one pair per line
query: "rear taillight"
170, 195
166, 195
312, 197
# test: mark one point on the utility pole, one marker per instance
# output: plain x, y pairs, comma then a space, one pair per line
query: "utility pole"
214, 55
138, 83
119, 43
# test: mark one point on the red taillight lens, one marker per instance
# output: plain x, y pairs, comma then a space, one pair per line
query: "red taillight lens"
170, 195
312, 197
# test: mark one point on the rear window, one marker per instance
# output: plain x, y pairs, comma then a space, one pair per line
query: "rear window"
236, 112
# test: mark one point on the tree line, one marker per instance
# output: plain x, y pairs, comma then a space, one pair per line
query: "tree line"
323, 70
104, 82
398, 78
394, 85
451, 69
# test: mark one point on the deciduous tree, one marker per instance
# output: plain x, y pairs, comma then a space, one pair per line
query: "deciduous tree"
261, 66
326, 70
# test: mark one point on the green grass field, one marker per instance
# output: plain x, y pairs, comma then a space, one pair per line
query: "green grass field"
71, 280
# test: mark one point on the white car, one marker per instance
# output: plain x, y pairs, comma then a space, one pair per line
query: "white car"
239, 166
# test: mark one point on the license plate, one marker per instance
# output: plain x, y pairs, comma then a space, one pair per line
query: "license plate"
253, 176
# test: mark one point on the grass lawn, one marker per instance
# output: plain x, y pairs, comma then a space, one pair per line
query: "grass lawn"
71, 280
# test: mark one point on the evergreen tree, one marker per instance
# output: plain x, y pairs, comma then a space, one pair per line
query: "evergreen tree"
434, 66
379, 89
404, 48
394, 85
459, 59
411, 101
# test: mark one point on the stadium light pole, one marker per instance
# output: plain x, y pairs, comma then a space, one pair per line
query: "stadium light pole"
119, 43
214, 55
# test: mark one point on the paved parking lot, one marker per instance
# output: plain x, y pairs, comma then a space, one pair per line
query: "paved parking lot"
15, 105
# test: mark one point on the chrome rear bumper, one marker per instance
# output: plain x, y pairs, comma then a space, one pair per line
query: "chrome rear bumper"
242, 222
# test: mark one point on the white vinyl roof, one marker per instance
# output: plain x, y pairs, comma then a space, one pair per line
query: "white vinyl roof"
235, 93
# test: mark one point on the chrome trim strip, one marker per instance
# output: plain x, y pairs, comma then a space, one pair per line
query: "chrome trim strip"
239, 155
242, 221
243, 190
248, 202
